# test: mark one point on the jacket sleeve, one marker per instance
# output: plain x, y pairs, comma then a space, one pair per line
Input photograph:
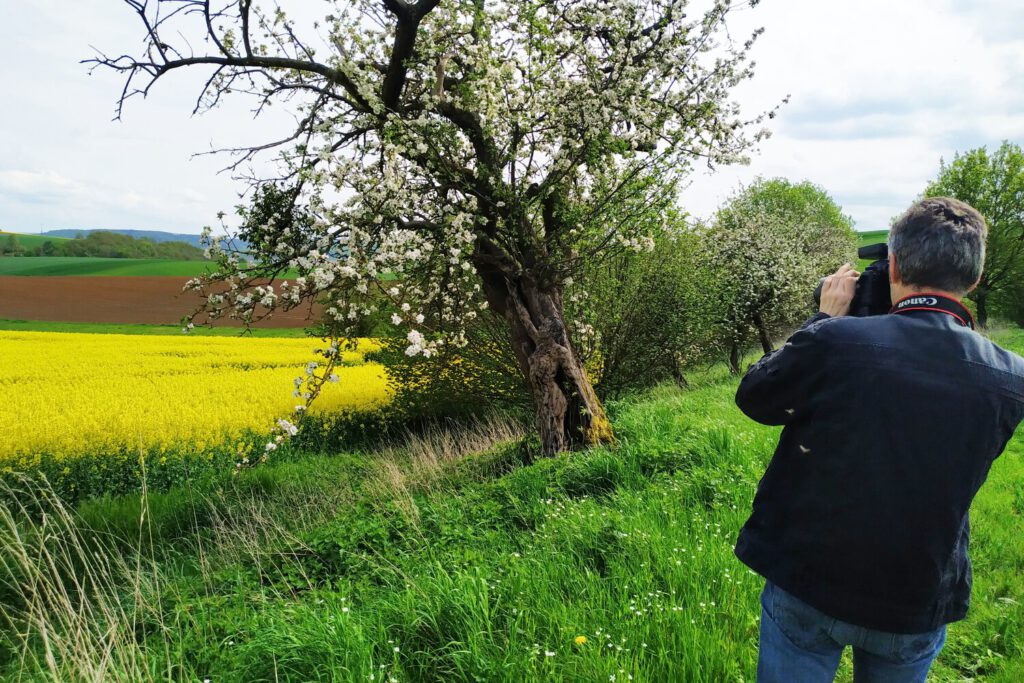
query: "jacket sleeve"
775, 389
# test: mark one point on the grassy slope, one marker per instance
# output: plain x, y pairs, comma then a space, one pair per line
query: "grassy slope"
92, 265
118, 328
871, 237
868, 238
29, 241
479, 571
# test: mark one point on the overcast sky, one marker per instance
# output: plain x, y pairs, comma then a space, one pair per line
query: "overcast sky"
879, 92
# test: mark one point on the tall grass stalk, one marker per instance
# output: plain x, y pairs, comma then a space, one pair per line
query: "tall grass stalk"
72, 604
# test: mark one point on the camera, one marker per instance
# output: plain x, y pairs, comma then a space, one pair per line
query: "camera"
872, 294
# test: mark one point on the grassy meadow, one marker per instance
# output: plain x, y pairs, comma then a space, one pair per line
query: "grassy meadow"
450, 556
871, 237
865, 239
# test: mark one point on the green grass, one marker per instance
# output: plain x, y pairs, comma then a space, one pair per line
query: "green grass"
871, 237
868, 238
93, 265
339, 567
31, 241
130, 328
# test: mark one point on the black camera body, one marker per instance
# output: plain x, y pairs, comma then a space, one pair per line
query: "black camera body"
872, 295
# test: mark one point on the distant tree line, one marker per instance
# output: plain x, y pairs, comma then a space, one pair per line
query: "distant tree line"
104, 244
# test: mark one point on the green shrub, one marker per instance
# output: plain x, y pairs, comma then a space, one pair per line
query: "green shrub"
481, 377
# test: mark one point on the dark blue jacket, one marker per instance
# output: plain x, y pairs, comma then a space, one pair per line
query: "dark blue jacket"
891, 425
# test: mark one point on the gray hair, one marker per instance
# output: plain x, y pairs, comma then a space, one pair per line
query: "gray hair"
939, 242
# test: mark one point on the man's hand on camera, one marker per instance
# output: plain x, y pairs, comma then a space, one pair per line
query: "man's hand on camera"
837, 292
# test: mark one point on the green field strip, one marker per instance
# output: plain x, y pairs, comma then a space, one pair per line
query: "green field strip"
871, 237
39, 266
94, 265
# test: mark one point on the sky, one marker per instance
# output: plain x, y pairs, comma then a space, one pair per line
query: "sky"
879, 92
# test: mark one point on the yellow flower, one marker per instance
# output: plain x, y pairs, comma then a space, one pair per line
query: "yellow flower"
72, 395
581, 640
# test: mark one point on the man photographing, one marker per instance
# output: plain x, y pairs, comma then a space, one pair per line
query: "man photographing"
860, 523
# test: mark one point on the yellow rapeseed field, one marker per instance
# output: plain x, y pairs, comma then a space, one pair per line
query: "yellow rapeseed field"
66, 395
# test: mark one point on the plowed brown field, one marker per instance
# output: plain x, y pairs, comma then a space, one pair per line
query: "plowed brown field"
97, 299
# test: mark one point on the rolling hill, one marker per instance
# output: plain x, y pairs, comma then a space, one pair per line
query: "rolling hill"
31, 241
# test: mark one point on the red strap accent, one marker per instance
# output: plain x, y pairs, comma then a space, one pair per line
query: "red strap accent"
959, 305
940, 310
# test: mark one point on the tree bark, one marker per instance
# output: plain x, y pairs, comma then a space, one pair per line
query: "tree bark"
678, 375
734, 358
982, 309
762, 333
569, 415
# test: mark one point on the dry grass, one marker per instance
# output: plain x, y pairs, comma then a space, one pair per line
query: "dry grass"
422, 461
74, 603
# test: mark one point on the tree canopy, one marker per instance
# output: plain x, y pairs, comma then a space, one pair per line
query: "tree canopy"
768, 246
993, 183
482, 152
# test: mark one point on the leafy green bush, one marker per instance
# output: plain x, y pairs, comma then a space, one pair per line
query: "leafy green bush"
481, 377
645, 316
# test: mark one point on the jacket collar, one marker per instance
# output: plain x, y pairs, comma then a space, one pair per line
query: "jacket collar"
931, 301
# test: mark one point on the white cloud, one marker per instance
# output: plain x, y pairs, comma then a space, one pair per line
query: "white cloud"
881, 91
76, 202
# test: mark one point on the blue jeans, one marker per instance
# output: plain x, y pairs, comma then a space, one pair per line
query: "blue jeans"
799, 644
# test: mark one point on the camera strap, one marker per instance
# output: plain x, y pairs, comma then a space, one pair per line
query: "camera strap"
927, 301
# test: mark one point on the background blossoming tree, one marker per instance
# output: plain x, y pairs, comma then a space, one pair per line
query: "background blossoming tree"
459, 155
767, 248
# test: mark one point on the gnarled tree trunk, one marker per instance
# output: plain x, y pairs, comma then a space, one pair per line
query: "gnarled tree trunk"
568, 412
762, 334
734, 358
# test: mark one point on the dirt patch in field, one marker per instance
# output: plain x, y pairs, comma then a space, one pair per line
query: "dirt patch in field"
102, 299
